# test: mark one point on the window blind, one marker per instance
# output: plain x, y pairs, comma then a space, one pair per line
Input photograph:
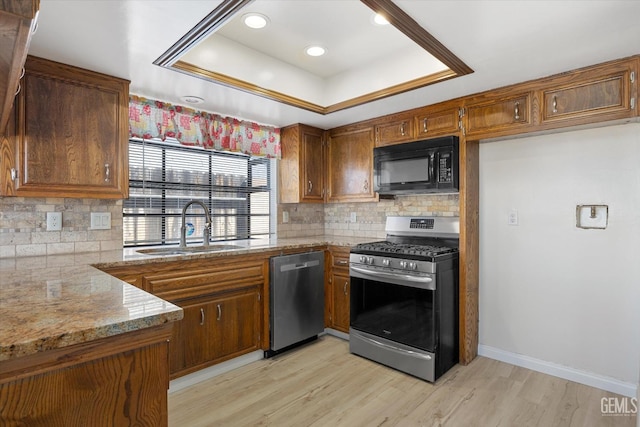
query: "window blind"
164, 176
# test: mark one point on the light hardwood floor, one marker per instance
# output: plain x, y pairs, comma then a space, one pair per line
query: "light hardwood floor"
322, 384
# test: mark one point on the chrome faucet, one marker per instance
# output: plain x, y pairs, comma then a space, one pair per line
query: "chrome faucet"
183, 230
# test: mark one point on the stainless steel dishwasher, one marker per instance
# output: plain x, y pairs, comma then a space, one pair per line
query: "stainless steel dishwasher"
297, 300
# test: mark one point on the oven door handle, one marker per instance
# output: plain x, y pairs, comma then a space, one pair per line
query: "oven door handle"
384, 275
399, 350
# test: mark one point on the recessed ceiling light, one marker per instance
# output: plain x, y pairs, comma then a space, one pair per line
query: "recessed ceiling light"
315, 51
192, 99
380, 20
255, 20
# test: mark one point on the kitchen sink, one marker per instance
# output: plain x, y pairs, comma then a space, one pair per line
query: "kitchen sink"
188, 250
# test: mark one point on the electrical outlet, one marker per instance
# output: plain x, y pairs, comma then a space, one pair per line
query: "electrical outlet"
54, 221
100, 220
512, 219
285, 217
354, 217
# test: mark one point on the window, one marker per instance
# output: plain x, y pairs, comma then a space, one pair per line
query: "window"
164, 176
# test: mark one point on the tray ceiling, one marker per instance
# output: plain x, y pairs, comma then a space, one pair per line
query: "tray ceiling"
364, 61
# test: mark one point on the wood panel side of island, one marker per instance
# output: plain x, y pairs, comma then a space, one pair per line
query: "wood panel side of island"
120, 380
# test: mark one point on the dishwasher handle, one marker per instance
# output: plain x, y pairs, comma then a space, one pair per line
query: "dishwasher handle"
299, 266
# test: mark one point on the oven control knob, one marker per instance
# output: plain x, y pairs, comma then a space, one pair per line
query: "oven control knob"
385, 262
413, 266
403, 264
370, 260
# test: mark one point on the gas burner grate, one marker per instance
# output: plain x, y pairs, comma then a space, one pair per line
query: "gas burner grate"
405, 249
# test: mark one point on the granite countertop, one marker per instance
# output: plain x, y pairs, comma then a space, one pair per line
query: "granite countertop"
54, 301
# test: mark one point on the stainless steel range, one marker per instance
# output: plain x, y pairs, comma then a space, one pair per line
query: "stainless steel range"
404, 296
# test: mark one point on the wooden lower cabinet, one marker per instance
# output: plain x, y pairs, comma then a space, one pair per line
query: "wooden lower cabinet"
340, 301
116, 381
215, 328
338, 289
223, 305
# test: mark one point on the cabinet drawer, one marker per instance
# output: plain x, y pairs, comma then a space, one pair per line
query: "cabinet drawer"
340, 258
201, 281
499, 115
593, 97
601, 93
394, 132
437, 123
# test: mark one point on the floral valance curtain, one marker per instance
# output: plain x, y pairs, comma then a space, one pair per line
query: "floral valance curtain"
155, 119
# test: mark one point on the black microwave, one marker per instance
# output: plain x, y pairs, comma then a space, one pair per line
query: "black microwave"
428, 166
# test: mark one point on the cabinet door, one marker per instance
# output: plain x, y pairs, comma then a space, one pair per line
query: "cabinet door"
350, 166
313, 165
17, 18
341, 310
72, 133
394, 131
190, 344
601, 94
302, 167
235, 321
499, 116
438, 123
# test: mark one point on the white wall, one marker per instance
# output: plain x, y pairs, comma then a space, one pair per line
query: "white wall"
552, 296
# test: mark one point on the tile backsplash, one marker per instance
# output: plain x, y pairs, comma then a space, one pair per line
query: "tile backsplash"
336, 218
23, 226
23, 221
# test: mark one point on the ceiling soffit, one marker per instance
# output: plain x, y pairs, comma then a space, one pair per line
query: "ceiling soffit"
428, 59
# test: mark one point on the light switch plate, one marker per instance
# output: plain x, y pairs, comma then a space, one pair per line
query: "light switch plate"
592, 216
100, 220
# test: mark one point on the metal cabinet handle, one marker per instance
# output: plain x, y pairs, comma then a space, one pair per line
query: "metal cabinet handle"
516, 111
344, 288
201, 316
14, 174
107, 172
342, 262
310, 187
20, 84
402, 128
424, 125
219, 312
365, 187
555, 104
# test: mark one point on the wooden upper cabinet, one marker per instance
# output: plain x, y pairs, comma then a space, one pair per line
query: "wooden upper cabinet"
499, 116
598, 93
350, 165
17, 21
433, 122
302, 167
394, 130
71, 133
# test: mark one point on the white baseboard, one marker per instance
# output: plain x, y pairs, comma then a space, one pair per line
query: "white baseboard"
560, 371
215, 370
